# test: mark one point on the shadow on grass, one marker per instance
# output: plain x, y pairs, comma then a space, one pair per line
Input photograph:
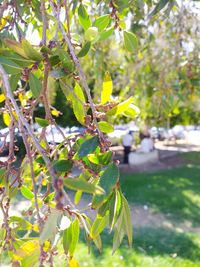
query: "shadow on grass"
157, 242
173, 192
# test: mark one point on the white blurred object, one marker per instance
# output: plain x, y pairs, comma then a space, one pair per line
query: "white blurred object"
193, 137
127, 140
138, 158
179, 131
146, 145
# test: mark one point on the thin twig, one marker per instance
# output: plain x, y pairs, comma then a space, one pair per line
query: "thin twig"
29, 155
36, 143
44, 22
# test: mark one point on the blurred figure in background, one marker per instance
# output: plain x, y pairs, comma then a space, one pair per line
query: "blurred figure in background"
147, 144
127, 141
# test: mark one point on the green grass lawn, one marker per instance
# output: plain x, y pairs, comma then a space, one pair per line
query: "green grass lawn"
175, 193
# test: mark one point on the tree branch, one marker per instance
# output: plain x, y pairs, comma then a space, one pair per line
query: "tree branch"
79, 69
24, 123
44, 22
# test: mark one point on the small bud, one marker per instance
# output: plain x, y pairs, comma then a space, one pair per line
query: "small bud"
59, 206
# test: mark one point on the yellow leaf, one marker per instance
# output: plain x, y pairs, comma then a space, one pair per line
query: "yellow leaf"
107, 88
55, 112
46, 246
2, 98
15, 115
44, 181
35, 228
27, 249
3, 22
6, 118
73, 263
22, 99
140, 55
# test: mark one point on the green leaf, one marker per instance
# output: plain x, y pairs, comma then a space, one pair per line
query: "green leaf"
93, 158
35, 85
66, 60
106, 34
20, 222
79, 184
88, 146
98, 243
57, 73
30, 51
14, 79
105, 127
130, 41
67, 239
119, 233
120, 108
71, 236
50, 227
84, 17
75, 236
26, 192
105, 157
123, 225
49, 198
102, 22
77, 103
79, 111
132, 111
15, 46
19, 60
109, 178
54, 60
127, 220
62, 165
98, 201
77, 197
97, 240
85, 49
100, 158
91, 34
42, 122
79, 92
104, 209
107, 181
114, 208
10, 66
107, 88
98, 226
161, 4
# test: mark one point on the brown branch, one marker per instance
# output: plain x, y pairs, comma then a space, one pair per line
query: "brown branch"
30, 159
25, 124
44, 22
45, 92
67, 17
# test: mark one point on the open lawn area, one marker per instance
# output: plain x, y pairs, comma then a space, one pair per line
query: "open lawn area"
173, 193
